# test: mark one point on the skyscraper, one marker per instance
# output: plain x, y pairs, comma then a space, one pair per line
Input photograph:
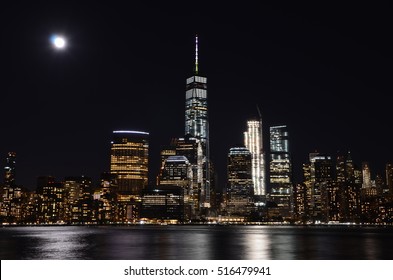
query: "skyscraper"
254, 143
240, 189
350, 204
51, 193
177, 172
9, 177
129, 161
196, 121
9, 187
189, 148
323, 191
366, 175
280, 169
389, 177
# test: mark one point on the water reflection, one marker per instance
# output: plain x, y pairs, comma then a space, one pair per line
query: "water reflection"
257, 245
195, 242
50, 243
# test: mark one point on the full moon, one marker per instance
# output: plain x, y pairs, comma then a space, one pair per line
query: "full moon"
58, 42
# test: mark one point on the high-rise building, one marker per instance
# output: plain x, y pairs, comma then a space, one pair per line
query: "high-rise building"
106, 195
78, 199
366, 175
51, 208
389, 177
280, 170
254, 143
354, 184
240, 189
9, 177
303, 196
177, 172
191, 149
196, 121
8, 190
164, 204
129, 161
301, 201
323, 191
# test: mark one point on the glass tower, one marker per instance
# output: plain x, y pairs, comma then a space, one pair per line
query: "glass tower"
129, 160
9, 176
254, 143
177, 172
8, 190
280, 160
280, 169
196, 121
240, 189
389, 177
321, 171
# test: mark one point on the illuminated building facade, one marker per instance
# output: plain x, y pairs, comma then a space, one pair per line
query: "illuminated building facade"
106, 195
9, 190
240, 188
389, 178
51, 208
366, 175
280, 170
321, 179
189, 148
78, 200
254, 143
164, 203
301, 203
9, 177
349, 189
177, 171
302, 196
196, 123
129, 161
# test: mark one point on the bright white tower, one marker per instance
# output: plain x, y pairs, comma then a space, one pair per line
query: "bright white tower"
254, 143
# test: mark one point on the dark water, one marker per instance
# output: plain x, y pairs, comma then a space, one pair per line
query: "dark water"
196, 242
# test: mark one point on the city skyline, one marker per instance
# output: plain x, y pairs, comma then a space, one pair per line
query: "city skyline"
65, 101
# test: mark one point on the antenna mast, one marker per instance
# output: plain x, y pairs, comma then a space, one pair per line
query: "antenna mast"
196, 54
259, 113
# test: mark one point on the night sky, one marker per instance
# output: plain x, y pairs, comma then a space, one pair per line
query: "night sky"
323, 70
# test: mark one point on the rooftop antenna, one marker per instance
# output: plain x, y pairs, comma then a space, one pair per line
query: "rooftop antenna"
196, 54
259, 113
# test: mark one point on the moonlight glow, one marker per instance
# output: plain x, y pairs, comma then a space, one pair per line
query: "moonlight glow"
58, 42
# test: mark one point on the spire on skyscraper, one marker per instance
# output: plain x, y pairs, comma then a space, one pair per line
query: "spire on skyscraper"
196, 54
259, 113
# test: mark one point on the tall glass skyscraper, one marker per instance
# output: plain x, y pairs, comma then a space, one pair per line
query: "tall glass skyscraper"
177, 172
129, 160
9, 188
254, 143
280, 159
196, 121
240, 188
321, 175
9, 176
389, 177
280, 169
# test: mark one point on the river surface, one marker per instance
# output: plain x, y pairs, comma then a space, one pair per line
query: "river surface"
195, 242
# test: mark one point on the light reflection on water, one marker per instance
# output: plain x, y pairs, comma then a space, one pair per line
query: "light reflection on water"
257, 247
195, 242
